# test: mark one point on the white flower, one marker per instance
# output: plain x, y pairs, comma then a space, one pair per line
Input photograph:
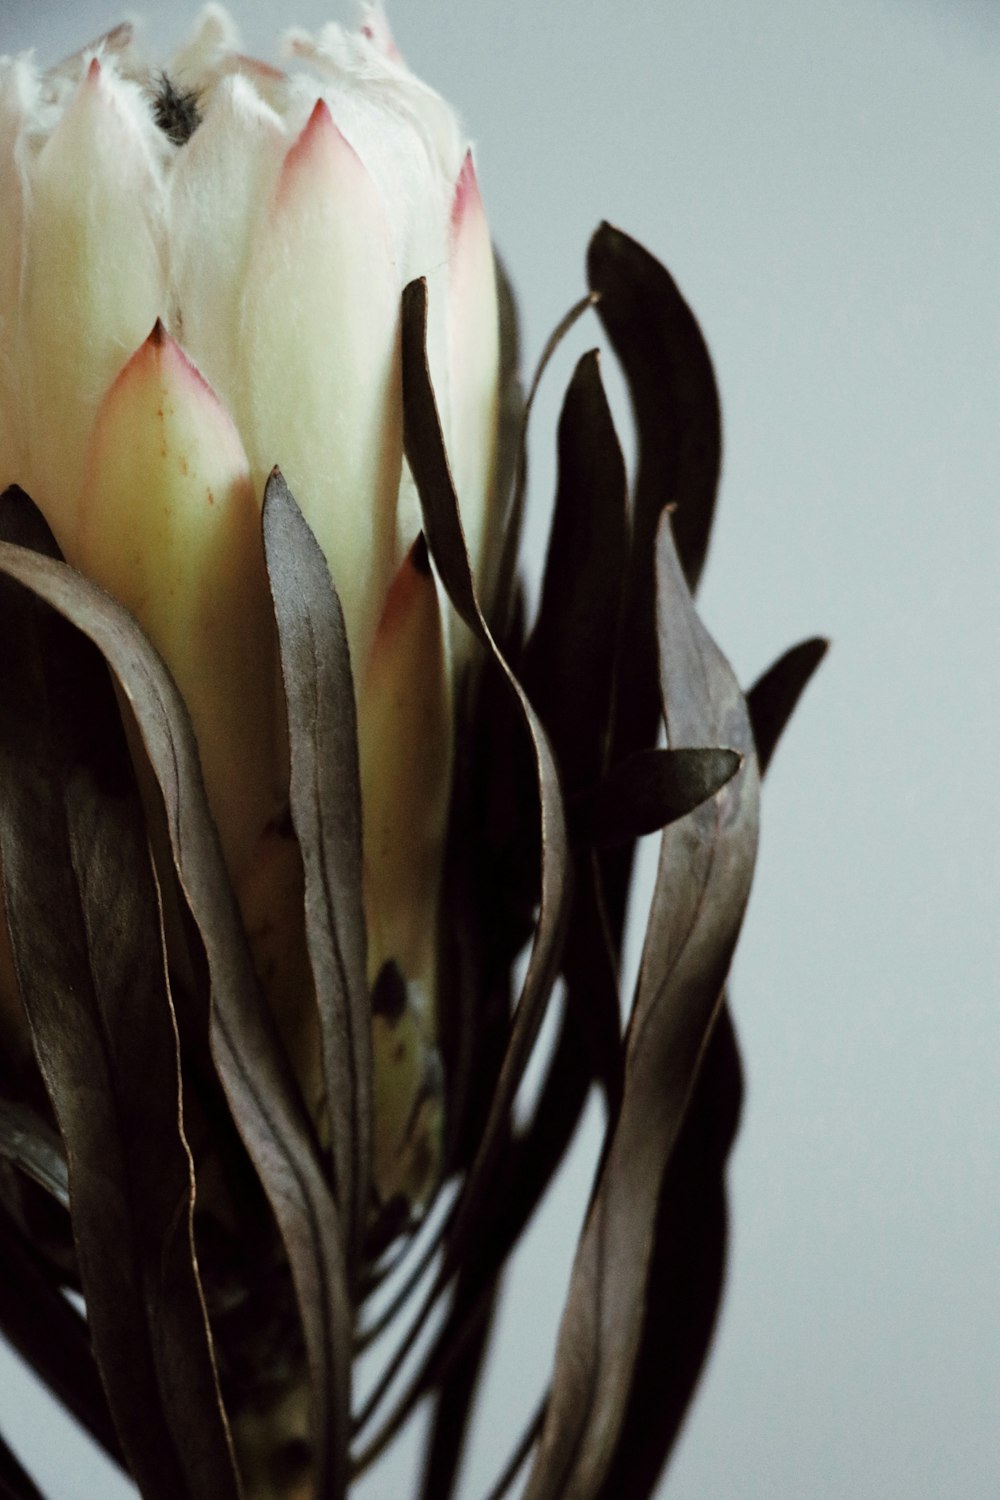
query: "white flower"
200, 278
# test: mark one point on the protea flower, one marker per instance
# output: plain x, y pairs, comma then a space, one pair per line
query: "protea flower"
202, 279
287, 782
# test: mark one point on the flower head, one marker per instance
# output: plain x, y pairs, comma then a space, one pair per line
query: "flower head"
201, 280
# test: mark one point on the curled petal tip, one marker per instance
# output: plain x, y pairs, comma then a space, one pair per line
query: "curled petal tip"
158, 335
94, 70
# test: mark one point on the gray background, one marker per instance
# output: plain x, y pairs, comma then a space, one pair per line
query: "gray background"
820, 175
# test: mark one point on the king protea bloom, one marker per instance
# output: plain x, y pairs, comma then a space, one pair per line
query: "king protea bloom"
200, 280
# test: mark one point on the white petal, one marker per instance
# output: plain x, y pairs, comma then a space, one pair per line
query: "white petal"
222, 179
170, 525
321, 341
474, 360
93, 282
18, 90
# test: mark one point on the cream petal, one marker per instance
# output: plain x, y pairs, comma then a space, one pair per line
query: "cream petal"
18, 90
93, 278
321, 344
224, 174
169, 523
474, 360
374, 27
404, 740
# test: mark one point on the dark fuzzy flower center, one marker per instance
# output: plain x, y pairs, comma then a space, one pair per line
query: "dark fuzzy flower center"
175, 110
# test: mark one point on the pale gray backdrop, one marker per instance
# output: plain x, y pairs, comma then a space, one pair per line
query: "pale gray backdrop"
821, 177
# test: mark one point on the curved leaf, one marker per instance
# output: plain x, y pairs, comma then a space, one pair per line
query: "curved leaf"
648, 790
83, 914
773, 697
425, 451
676, 404
703, 880
247, 1055
325, 796
570, 658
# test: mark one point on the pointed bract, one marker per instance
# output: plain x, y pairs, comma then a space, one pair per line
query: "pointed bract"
169, 524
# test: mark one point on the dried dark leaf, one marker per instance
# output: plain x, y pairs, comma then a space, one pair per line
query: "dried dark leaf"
676, 404
507, 576
28, 1140
325, 798
674, 395
15, 1481
442, 527
686, 1274
647, 791
50, 1335
703, 880
248, 1057
425, 451
83, 913
453, 1409
773, 697
570, 659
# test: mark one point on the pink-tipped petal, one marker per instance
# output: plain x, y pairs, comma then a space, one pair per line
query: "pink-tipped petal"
93, 278
404, 737
321, 343
474, 361
169, 523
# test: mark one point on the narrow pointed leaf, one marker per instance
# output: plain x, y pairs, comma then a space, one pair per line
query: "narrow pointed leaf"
83, 913
570, 660
703, 880
426, 453
326, 812
686, 1274
647, 791
774, 696
249, 1060
674, 395
676, 404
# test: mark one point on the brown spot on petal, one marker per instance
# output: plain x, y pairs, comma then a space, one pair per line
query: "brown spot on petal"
389, 993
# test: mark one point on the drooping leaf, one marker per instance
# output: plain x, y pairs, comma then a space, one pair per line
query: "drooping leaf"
774, 695
676, 405
425, 452
83, 915
247, 1055
674, 395
325, 798
50, 1335
648, 790
703, 880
